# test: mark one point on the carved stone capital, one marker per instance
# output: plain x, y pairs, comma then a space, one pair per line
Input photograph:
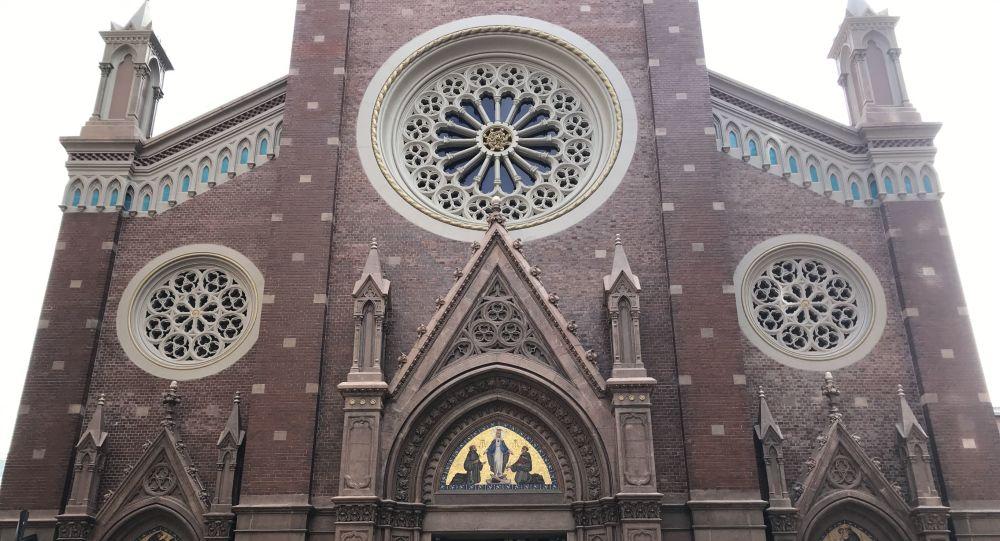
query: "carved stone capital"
783, 521
931, 520
106, 68
356, 511
219, 526
640, 509
74, 528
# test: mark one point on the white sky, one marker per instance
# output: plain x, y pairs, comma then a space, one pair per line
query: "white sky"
223, 49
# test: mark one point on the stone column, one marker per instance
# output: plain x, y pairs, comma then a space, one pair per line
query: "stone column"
138, 86
894, 57
102, 90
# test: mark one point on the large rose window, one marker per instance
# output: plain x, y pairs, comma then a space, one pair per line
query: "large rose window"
512, 130
482, 108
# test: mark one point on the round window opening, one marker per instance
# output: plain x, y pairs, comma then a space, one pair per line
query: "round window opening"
192, 313
810, 303
504, 110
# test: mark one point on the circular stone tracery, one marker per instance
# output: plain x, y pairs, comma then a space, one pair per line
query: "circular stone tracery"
513, 130
194, 314
190, 312
805, 304
569, 148
809, 302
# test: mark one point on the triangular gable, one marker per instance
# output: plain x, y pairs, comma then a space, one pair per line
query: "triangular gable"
841, 464
497, 258
163, 472
498, 322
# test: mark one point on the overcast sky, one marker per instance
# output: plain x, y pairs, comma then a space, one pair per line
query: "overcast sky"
222, 49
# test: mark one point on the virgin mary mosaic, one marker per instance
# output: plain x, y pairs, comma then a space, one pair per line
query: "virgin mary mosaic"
498, 458
847, 531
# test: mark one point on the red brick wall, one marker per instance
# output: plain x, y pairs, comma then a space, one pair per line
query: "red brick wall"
759, 206
953, 384
427, 261
60, 364
705, 326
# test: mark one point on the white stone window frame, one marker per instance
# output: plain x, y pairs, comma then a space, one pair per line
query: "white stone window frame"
872, 319
550, 42
131, 302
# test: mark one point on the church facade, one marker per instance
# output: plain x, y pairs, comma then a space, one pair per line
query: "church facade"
528, 271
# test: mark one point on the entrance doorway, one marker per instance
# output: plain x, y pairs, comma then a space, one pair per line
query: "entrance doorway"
499, 537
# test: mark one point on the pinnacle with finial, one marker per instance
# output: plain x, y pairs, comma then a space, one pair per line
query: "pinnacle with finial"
760, 392
100, 400
832, 394
170, 400
236, 398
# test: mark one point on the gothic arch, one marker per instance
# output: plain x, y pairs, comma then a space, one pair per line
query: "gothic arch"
143, 516
497, 385
858, 508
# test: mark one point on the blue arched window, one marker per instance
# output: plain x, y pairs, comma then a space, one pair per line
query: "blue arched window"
128, 199
873, 189
813, 173
225, 165
908, 184
793, 165
752, 145
95, 197
928, 186
855, 191
734, 142
186, 183
145, 202
835, 183
244, 156
166, 192
204, 174
114, 197
773, 156
889, 188
76, 197
263, 147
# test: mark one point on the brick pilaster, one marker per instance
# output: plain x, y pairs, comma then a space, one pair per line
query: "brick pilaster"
48, 424
717, 430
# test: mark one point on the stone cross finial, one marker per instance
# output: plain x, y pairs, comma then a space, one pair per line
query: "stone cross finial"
496, 215
832, 394
170, 401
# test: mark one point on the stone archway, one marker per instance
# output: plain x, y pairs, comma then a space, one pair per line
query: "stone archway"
156, 522
536, 409
518, 397
858, 514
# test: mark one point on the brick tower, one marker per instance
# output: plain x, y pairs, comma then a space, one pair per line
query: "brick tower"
528, 271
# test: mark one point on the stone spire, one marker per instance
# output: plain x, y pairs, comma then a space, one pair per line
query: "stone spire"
767, 425
859, 8
95, 428
908, 425
231, 432
620, 266
141, 20
372, 270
